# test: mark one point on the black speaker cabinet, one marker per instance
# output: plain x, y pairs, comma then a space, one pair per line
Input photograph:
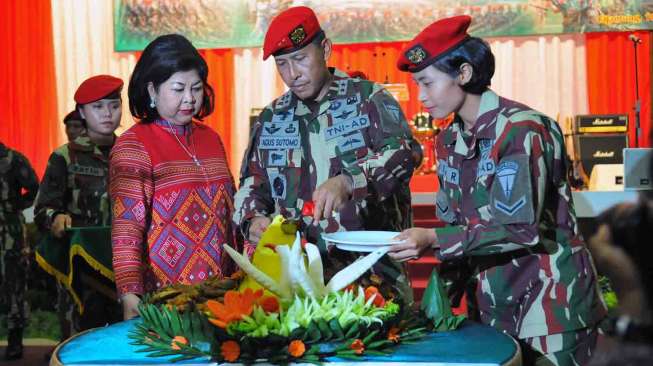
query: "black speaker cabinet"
601, 123
599, 149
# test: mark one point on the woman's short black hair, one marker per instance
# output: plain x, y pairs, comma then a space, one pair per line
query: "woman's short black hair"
161, 58
478, 54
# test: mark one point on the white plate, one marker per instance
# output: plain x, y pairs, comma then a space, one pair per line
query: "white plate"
361, 241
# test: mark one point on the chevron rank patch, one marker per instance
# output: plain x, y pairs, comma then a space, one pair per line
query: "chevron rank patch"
442, 208
511, 193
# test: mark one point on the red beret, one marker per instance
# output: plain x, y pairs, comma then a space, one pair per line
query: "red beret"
357, 74
290, 31
434, 42
96, 88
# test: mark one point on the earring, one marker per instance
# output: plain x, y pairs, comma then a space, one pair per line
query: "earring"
152, 103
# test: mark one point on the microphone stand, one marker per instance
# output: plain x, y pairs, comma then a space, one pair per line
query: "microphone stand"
637, 107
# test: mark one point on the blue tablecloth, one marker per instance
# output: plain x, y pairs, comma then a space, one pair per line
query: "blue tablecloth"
471, 344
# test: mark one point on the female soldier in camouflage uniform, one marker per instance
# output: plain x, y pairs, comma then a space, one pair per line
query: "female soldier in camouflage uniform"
74, 188
505, 197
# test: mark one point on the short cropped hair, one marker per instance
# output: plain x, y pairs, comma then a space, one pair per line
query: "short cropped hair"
478, 54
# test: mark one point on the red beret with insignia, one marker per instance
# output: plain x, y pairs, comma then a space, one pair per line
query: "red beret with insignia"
96, 88
290, 31
434, 42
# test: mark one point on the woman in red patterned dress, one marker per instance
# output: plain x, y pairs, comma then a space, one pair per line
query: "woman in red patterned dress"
171, 189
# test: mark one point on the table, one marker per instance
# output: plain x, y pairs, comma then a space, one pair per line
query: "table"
81, 258
472, 344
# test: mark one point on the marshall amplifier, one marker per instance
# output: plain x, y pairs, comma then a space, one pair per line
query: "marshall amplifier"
599, 149
601, 123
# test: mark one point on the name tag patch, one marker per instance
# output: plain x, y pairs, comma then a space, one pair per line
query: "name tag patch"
279, 143
351, 142
85, 170
343, 128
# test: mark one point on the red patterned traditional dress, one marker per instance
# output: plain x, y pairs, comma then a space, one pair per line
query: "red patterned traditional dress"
172, 212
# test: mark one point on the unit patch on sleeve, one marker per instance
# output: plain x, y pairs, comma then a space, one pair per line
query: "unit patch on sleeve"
511, 194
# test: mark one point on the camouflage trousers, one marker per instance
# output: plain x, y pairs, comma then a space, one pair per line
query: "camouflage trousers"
563, 349
14, 265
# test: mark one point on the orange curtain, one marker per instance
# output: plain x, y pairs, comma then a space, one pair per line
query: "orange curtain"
611, 78
27, 80
221, 78
378, 61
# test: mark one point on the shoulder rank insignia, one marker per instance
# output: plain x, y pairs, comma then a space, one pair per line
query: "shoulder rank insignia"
297, 35
416, 54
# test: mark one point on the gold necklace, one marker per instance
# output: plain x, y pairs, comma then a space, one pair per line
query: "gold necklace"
192, 141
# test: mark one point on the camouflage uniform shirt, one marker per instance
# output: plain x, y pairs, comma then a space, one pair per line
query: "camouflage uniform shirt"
18, 187
15, 174
75, 183
506, 198
357, 129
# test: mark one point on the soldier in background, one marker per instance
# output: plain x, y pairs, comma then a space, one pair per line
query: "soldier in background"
74, 190
506, 199
338, 142
18, 187
75, 125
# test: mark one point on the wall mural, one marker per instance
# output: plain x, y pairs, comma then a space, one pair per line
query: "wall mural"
242, 23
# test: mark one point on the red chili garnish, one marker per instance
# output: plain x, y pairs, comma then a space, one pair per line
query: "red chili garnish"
308, 208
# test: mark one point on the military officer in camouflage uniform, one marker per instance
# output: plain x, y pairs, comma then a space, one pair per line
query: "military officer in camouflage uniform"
339, 142
18, 187
505, 197
74, 188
